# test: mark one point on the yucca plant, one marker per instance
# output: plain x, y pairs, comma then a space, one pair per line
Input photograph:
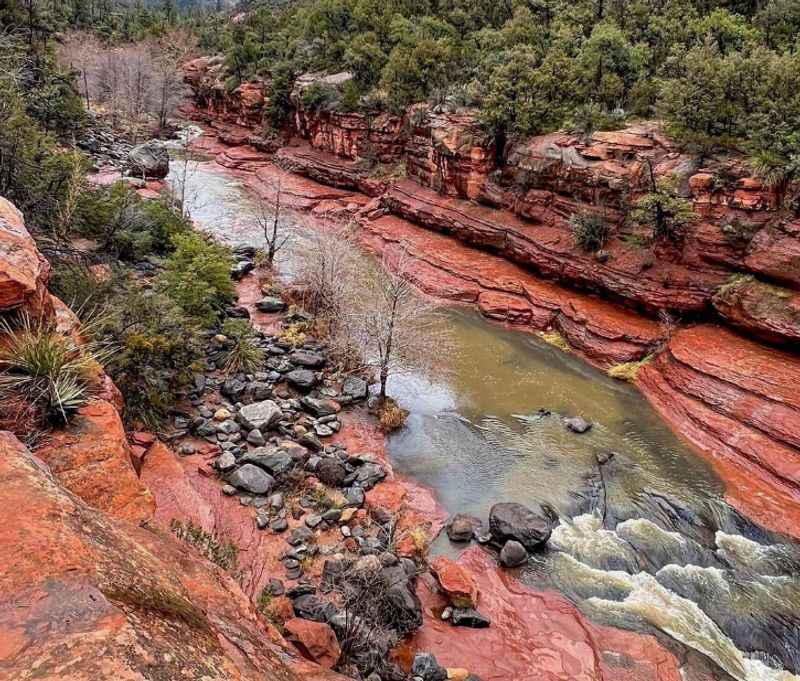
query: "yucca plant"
244, 354
47, 369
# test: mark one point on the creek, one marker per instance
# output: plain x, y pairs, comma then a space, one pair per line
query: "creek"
645, 542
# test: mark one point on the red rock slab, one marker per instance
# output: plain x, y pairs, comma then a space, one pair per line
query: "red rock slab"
23, 270
603, 332
760, 309
760, 473
244, 157
534, 636
549, 249
84, 596
775, 253
92, 459
456, 582
316, 640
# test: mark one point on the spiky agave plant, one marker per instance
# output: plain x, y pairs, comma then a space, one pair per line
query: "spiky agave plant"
244, 353
46, 368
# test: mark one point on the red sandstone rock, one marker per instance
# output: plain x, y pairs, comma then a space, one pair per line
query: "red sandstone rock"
456, 582
316, 640
280, 609
92, 459
87, 597
23, 270
766, 311
386, 497
535, 635
737, 401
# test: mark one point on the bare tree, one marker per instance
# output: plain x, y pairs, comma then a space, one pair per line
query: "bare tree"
268, 211
395, 328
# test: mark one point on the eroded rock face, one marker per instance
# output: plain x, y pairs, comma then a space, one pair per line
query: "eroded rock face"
738, 402
92, 459
764, 310
86, 596
23, 270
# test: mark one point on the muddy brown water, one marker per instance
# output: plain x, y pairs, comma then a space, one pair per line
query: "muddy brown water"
645, 541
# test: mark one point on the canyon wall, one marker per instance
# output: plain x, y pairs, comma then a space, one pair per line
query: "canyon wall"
498, 235
91, 585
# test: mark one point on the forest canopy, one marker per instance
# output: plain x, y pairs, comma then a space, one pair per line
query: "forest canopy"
717, 72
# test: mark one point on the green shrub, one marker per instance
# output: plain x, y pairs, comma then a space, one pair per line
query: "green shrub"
244, 354
127, 225
197, 276
319, 97
158, 348
591, 231
663, 211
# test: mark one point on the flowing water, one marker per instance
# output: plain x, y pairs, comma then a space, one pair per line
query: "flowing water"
645, 541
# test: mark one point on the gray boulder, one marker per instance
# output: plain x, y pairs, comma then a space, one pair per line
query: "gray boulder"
149, 160
308, 359
427, 668
251, 479
461, 527
275, 461
518, 522
320, 406
513, 554
305, 379
355, 388
260, 415
270, 304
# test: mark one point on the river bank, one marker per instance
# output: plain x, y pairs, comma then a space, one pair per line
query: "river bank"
309, 197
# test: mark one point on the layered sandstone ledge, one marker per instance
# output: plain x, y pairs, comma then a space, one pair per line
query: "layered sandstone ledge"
541, 183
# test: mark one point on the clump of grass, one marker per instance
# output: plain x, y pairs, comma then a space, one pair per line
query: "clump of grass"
244, 354
46, 369
591, 231
224, 554
391, 415
627, 371
294, 334
556, 339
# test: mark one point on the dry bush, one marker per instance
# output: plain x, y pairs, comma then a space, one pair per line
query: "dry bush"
391, 415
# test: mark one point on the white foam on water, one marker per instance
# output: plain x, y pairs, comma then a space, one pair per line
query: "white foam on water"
648, 600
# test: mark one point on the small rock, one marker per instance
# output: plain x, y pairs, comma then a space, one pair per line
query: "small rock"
469, 617
251, 479
225, 462
270, 304
279, 525
461, 527
427, 668
222, 414
313, 520
228, 490
305, 379
254, 437
577, 424
513, 554
319, 406
260, 415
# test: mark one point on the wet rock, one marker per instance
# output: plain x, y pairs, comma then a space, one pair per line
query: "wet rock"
513, 554
331, 472
307, 359
320, 406
355, 496
355, 388
577, 424
254, 437
518, 522
458, 585
469, 617
427, 668
311, 607
149, 161
252, 479
275, 461
369, 475
270, 304
462, 527
316, 640
259, 415
241, 269
304, 379
225, 462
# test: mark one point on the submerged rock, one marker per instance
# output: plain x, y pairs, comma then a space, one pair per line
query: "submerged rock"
515, 521
577, 424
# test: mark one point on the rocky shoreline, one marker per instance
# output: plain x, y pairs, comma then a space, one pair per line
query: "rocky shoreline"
605, 334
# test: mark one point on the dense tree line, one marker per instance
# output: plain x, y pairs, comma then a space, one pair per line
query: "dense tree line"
717, 71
